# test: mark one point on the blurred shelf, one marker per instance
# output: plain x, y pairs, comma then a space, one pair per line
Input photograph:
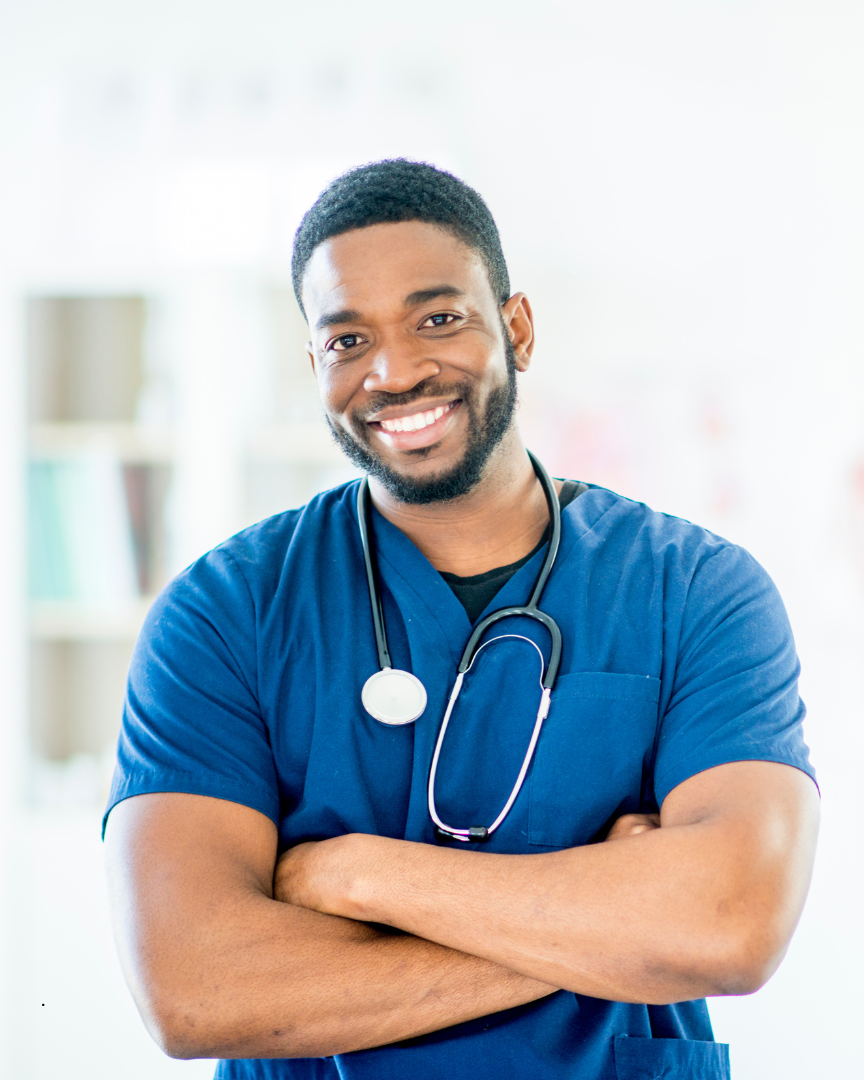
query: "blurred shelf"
304, 443
70, 620
133, 443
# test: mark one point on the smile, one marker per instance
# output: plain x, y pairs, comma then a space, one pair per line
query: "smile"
418, 430
417, 421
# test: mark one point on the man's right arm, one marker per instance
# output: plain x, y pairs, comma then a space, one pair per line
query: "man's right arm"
218, 968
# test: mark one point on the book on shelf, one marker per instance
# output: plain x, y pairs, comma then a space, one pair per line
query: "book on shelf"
146, 488
92, 535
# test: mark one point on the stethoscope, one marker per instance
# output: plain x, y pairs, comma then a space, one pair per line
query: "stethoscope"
397, 697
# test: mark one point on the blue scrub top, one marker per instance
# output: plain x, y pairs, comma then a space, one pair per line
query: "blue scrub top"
678, 656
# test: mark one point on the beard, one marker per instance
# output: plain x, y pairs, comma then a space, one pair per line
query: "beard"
485, 432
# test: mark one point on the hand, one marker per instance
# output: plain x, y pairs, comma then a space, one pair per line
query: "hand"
632, 825
293, 878
319, 875
324, 875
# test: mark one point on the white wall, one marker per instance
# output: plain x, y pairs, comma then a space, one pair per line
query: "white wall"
678, 188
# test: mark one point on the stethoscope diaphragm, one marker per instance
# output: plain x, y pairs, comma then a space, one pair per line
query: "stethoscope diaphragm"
393, 696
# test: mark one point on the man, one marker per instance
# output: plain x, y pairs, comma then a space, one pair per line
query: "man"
661, 845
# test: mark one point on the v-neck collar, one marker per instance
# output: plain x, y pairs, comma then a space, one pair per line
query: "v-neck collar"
407, 570
410, 576
437, 628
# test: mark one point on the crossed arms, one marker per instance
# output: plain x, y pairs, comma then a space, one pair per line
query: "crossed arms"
229, 954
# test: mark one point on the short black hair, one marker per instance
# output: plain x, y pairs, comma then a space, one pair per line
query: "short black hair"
401, 190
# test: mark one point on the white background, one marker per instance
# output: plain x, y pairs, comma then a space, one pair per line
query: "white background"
678, 186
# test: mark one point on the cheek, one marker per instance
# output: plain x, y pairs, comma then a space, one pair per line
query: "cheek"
488, 363
336, 390
493, 379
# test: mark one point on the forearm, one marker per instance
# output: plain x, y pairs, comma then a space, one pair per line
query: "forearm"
219, 968
601, 920
704, 905
280, 981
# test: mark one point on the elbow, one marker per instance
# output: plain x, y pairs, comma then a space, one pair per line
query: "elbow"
739, 980
187, 1029
745, 962
182, 1050
184, 1029
178, 1035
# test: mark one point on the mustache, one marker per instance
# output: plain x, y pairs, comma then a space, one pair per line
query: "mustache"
384, 400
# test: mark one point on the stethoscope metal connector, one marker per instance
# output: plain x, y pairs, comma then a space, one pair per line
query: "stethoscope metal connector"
477, 834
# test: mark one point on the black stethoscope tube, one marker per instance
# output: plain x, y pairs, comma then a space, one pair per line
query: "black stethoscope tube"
364, 500
530, 610
390, 708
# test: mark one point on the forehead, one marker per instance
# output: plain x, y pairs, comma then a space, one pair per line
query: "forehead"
382, 264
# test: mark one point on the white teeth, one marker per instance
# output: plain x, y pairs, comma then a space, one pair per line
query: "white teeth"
416, 422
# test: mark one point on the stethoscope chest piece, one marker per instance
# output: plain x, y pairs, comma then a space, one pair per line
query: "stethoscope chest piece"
394, 697
397, 697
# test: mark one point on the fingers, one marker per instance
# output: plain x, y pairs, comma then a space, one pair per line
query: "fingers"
632, 825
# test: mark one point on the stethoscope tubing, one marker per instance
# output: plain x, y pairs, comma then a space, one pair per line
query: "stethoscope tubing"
364, 499
465, 834
548, 672
551, 672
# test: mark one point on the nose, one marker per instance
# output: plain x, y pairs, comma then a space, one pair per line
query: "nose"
396, 370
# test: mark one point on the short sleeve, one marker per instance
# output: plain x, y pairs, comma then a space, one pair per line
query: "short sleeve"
734, 691
191, 720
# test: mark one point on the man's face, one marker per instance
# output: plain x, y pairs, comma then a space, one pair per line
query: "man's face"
415, 368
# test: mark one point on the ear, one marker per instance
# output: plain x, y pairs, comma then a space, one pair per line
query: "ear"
519, 323
311, 355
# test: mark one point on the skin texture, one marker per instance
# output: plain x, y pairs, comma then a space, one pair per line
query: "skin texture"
219, 968
371, 273
647, 918
226, 960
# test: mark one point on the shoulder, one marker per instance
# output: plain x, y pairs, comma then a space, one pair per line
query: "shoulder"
613, 515
690, 560
246, 569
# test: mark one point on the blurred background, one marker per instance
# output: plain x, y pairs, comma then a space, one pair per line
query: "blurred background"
679, 191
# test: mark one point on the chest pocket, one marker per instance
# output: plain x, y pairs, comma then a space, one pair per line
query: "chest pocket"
590, 757
681, 1059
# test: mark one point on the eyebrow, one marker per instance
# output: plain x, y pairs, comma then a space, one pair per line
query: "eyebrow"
421, 296
338, 318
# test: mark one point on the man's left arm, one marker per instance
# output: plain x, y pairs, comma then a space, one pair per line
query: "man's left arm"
703, 905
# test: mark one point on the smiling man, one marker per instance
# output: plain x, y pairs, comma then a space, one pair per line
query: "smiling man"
522, 855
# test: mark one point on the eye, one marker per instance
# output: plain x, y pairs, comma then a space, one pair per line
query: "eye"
344, 342
441, 318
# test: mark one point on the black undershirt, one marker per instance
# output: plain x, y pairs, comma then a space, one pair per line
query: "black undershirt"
476, 591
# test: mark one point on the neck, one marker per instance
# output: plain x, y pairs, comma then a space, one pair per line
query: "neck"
496, 523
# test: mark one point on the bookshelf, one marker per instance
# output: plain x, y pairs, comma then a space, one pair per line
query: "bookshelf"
130, 442
97, 482
109, 485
